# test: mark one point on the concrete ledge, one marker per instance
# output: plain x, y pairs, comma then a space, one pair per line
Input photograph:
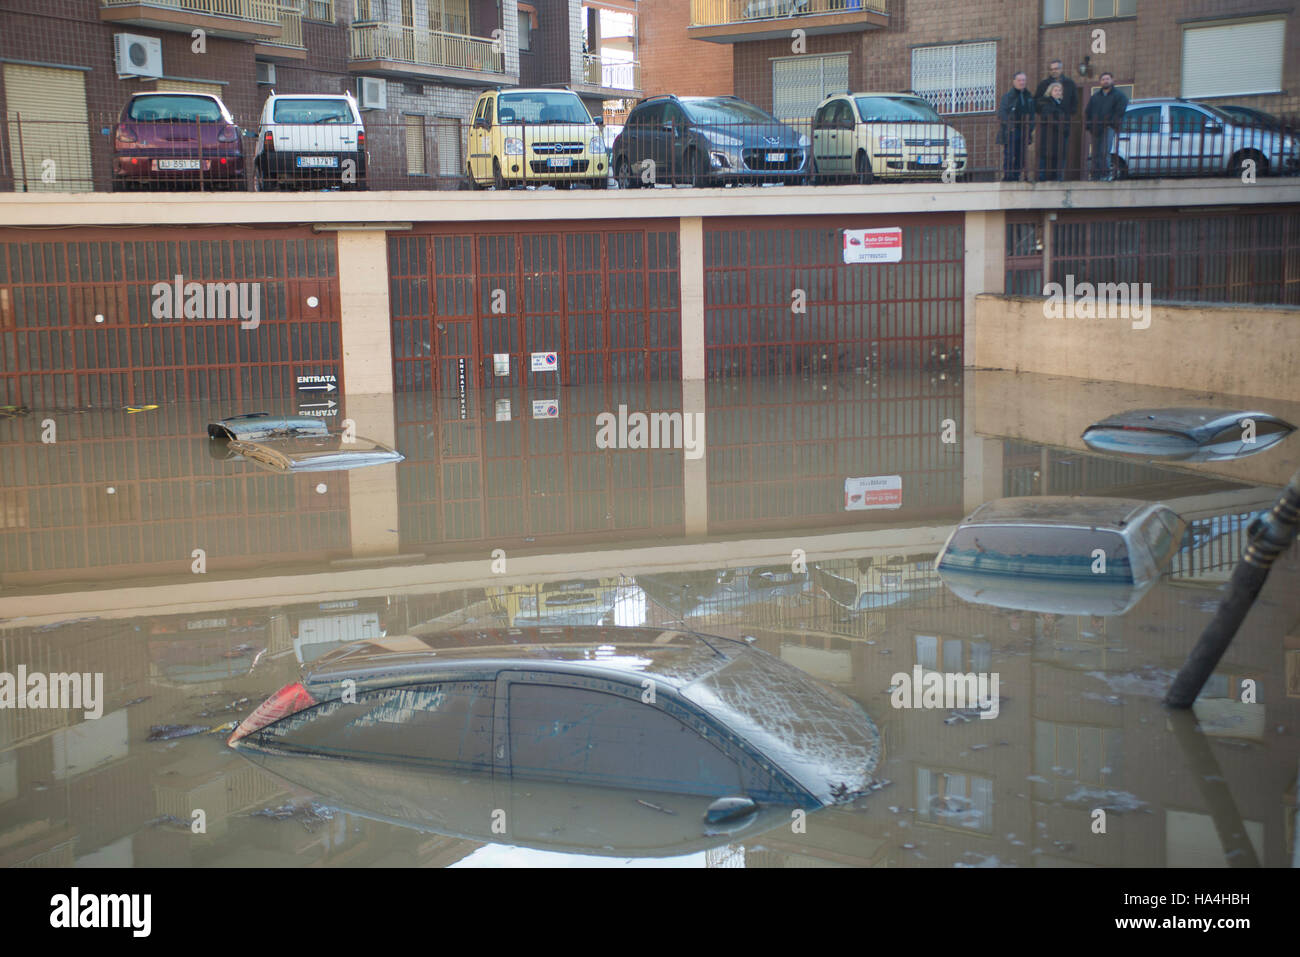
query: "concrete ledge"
1224, 349
120, 209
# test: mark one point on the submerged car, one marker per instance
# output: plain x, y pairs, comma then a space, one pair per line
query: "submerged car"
316, 453
866, 136
262, 425
1035, 553
177, 139
639, 708
1193, 434
707, 141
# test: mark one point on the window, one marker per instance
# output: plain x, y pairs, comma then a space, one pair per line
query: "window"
959, 78
449, 723
449, 16
800, 83
954, 799
1065, 11
415, 165
527, 26
1144, 119
1233, 59
362, 11
320, 10
1069, 755
1185, 119
953, 655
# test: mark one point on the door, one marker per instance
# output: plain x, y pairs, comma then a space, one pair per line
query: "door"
1196, 140
480, 140
1141, 140
49, 134
844, 136
672, 141
821, 137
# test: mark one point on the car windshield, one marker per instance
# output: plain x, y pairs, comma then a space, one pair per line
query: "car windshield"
1053, 552
165, 108
725, 111
875, 109
541, 108
312, 111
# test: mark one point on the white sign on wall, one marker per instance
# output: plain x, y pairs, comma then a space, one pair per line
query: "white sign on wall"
883, 245
873, 491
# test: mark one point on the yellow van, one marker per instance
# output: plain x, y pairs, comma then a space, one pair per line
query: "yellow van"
542, 136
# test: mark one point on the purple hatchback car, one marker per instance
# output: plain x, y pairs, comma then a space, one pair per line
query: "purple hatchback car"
177, 140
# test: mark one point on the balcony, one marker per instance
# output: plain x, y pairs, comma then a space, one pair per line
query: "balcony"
609, 77
390, 48
240, 19
732, 21
290, 44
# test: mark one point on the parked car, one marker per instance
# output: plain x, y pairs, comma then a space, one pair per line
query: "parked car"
1024, 552
864, 136
310, 139
1187, 434
521, 135
1254, 117
1176, 137
611, 707
177, 139
706, 141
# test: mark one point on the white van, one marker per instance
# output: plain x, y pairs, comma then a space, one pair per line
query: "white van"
312, 140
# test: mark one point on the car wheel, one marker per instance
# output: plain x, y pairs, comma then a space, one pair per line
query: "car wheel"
862, 172
623, 173
817, 177
498, 181
1238, 164
600, 183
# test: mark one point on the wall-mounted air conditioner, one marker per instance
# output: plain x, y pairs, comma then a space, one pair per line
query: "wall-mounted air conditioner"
136, 55
265, 73
372, 93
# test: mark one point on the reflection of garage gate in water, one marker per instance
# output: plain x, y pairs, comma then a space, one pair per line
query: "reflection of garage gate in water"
606, 301
780, 299
77, 322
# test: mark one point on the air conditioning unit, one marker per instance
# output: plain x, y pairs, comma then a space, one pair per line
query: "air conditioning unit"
265, 73
372, 93
137, 56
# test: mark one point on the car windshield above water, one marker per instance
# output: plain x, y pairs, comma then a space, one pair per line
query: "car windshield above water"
540, 107
169, 107
718, 110
313, 111
896, 109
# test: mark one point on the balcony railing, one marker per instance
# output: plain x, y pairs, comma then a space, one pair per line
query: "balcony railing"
290, 29
255, 11
713, 12
611, 74
389, 41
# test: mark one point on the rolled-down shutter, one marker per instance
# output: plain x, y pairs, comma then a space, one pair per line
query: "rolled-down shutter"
189, 86
1233, 59
415, 145
49, 132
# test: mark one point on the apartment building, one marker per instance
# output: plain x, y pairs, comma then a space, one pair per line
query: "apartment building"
416, 66
962, 54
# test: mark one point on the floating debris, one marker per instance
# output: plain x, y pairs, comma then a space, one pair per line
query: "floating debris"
135, 701
655, 807
311, 815
166, 732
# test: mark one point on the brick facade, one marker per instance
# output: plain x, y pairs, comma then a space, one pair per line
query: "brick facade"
672, 63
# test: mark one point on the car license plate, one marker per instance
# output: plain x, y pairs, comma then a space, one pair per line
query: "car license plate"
560, 162
175, 164
317, 161
776, 157
930, 159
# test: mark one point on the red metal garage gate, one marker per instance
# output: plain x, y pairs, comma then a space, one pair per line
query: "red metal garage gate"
80, 320
779, 297
477, 307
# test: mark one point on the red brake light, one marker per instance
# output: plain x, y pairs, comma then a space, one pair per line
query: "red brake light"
270, 140
288, 700
361, 139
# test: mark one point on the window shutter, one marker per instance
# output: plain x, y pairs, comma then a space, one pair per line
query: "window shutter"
54, 126
1233, 59
415, 145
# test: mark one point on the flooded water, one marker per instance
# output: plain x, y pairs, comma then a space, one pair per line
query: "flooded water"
804, 524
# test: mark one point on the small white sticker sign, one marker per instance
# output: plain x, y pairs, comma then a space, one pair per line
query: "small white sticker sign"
501, 363
545, 361
883, 245
873, 491
546, 408
503, 410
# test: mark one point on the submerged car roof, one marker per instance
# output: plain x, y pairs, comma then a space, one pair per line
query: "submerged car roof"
1062, 510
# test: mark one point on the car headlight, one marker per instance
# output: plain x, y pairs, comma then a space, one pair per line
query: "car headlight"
597, 145
891, 142
722, 139
514, 146
803, 140
958, 142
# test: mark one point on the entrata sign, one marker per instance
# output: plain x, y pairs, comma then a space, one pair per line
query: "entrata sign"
873, 245
318, 383
873, 491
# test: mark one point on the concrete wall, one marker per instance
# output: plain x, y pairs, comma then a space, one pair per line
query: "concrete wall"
1223, 349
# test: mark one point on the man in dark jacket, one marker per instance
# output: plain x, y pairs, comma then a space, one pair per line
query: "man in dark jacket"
1016, 111
1102, 118
1070, 105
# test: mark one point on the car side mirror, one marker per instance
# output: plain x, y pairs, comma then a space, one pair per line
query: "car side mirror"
1212, 127
667, 125
598, 120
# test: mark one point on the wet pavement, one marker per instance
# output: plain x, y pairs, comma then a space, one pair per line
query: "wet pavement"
198, 585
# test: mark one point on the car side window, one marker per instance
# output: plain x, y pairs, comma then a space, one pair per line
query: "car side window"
1145, 119
603, 738
651, 116
844, 113
822, 116
673, 114
1184, 119
489, 110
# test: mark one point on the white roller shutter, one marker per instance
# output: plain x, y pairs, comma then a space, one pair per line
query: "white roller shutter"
1233, 59
188, 86
800, 83
50, 148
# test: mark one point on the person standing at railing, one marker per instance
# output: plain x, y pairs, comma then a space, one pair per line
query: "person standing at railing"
1053, 134
1102, 118
1016, 113
1070, 100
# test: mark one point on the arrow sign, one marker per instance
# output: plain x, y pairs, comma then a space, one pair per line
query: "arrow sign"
328, 404
317, 388
317, 383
